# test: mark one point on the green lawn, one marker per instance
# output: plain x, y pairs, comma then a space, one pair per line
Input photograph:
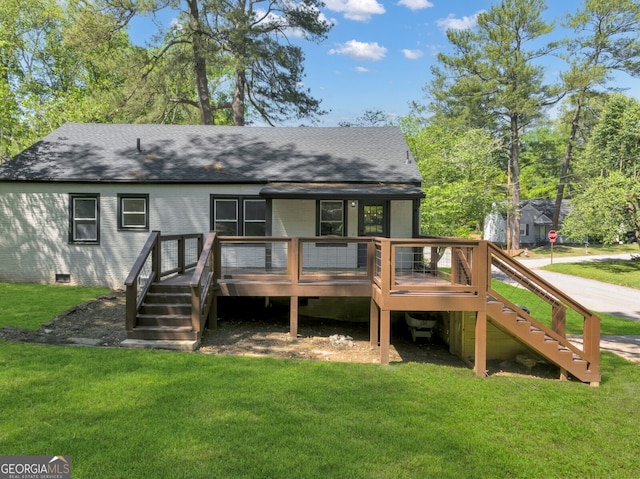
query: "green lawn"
620, 272
592, 250
542, 311
125, 413
28, 306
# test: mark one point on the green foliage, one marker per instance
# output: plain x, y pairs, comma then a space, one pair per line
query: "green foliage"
541, 157
460, 172
493, 80
244, 65
608, 204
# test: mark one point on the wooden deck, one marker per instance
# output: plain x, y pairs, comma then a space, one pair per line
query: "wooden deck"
428, 274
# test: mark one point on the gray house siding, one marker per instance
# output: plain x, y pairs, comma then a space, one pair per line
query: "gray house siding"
176, 174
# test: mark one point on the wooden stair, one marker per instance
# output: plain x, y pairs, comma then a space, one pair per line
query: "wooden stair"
165, 314
541, 339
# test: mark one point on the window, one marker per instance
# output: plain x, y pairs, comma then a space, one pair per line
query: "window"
524, 229
239, 216
225, 217
133, 212
84, 219
254, 217
331, 218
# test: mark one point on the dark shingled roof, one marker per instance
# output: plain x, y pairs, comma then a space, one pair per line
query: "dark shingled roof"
215, 154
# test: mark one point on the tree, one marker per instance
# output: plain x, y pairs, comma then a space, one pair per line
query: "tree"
541, 160
370, 118
52, 71
608, 204
247, 46
492, 81
605, 39
460, 172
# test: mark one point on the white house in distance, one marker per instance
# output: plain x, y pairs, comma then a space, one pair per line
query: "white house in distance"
536, 220
78, 206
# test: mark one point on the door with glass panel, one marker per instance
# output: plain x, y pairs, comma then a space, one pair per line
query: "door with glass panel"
373, 220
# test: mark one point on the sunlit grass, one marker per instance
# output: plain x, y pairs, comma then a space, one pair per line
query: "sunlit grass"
579, 250
125, 413
541, 310
28, 306
620, 272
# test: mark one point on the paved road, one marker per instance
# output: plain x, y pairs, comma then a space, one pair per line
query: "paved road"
599, 297
595, 295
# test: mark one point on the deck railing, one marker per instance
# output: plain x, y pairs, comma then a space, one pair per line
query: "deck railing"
429, 264
439, 267
295, 259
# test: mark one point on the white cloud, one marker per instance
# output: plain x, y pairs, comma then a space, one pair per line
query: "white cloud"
360, 50
412, 54
362, 70
416, 4
453, 23
358, 10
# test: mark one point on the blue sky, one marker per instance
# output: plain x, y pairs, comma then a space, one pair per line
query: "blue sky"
379, 53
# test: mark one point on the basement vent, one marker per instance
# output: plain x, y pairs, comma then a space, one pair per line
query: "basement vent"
63, 278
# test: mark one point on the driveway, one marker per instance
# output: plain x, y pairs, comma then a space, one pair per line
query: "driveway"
597, 296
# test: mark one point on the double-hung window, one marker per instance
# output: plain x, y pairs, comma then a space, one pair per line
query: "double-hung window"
84, 218
238, 216
331, 218
133, 212
254, 217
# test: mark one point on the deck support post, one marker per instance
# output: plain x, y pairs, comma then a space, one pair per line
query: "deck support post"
480, 367
212, 319
293, 317
374, 324
385, 335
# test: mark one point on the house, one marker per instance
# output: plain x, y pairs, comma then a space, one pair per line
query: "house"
78, 206
536, 220
304, 215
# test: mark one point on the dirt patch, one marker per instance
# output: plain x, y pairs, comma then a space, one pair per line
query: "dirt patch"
101, 323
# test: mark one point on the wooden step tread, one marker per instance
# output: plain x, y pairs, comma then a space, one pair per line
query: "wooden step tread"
164, 316
163, 328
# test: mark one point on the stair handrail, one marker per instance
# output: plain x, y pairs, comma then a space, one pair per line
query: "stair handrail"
203, 281
134, 296
525, 277
524, 272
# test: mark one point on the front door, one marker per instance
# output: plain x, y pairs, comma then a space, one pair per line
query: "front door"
373, 220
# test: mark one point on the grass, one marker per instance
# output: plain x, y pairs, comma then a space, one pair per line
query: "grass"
620, 272
609, 325
129, 413
28, 306
592, 250
125, 413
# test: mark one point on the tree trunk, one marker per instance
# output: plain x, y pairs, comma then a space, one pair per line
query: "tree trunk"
200, 66
515, 174
238, 96
566, 162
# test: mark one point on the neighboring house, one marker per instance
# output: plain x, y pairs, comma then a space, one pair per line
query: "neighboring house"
536, 220
78, 206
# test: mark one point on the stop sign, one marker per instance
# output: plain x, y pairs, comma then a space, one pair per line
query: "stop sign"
553, 236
